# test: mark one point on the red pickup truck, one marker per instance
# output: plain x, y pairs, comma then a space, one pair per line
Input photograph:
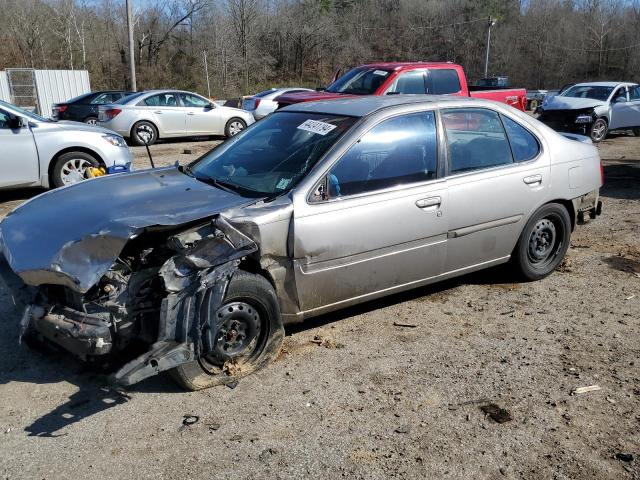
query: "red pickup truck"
438, 78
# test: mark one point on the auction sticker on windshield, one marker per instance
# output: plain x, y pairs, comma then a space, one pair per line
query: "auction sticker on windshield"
380, 72
314, 126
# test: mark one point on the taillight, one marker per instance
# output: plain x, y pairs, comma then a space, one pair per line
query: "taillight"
111, 113
62, 108
256, 103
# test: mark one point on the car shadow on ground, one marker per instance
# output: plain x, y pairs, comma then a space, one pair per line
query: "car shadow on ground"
621, 179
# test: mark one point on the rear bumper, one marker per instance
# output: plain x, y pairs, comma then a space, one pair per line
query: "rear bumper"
587, 207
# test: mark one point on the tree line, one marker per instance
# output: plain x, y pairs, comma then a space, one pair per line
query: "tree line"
251, 45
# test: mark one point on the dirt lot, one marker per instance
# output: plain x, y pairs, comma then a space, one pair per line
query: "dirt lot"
355, 396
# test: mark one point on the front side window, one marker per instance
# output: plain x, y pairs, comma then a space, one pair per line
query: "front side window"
271, 156
398, 151
189, 100
4, 120
620, 95
360, 81
443, 81
409, 83
105, 98
523, 144
476, 139
162, 100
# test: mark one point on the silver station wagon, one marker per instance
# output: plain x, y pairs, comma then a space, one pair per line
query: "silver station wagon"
317, 207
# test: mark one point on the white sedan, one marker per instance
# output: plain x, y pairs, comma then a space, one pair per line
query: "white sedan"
263, 103
145, 117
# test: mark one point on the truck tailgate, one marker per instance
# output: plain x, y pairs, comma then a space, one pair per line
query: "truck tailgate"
515, 97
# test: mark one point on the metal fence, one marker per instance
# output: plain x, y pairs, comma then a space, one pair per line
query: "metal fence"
38, 90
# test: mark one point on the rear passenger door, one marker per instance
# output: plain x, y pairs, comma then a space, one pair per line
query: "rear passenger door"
382, 226
497, 174
169, 116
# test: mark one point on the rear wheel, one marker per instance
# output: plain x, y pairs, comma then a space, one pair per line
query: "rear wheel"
144, 133
71, 167
543, 243
234, 127
598, 130
249, 336
533, 104
91, 120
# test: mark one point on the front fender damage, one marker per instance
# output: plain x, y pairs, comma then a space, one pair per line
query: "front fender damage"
196, 282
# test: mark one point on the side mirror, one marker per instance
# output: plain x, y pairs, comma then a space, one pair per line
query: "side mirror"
320, 193
620, 99
209, 106
15, 122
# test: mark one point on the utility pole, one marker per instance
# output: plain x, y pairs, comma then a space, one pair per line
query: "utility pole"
132, 59
206, 72
491, 23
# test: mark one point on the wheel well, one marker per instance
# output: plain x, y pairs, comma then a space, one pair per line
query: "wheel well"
88, 151
568, 204
252, 265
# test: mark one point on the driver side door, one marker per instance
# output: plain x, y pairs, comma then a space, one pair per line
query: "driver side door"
203, 117
626, 114
383, 226
19, 164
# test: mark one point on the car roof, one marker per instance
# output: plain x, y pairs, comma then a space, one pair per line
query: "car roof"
603, 84
363, 106
407, 65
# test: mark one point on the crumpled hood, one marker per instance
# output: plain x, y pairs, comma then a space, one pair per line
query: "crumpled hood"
72, 236
558, 102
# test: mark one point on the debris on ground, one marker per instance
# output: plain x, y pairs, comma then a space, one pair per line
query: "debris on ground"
402, 429
214, 427
189, 420
405, 325
590, 388
496, 413
625, 457
326, 342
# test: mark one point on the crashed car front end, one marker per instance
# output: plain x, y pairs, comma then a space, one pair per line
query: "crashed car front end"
572, 120
149, 300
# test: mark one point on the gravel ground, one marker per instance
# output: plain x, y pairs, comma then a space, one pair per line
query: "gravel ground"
355, 396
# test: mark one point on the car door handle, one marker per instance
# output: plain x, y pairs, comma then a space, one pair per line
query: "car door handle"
159, 112
533, 180
190, 113
428, 202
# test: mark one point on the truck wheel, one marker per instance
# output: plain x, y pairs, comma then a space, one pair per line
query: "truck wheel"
533, 104
249, 338
144, 133
598, 130
71, 167
543, 242
234, 127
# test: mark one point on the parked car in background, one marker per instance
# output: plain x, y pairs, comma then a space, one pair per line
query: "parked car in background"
36, 152
145, 117
366, 197
594, 109
438, 78
263, 103
84, 108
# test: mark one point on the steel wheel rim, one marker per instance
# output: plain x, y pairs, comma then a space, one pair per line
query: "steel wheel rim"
74, 171
145, 133
235, 128
545, 242
598, 130
241, 335
92, 121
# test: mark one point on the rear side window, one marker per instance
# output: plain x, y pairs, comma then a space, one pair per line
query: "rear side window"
634, 93
476, 139
105, 98
398, 151
523, 144
162, 100
443, 81
409, 83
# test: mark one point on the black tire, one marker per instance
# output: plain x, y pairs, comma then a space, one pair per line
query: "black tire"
143, 130
532, 258
63, 173
244, 289
598, 130
533, 104
231, 128
636, 131
91, 120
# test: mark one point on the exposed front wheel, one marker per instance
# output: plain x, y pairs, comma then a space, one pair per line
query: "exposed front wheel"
234, 127
543, 243
598, 130
248, 337
71, 168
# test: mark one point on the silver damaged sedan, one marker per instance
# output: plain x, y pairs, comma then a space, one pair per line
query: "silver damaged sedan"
318, 206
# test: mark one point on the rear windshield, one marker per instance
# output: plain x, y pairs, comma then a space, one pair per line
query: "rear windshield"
265, 93
360, 81
272, 155
84, 96
588, 91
